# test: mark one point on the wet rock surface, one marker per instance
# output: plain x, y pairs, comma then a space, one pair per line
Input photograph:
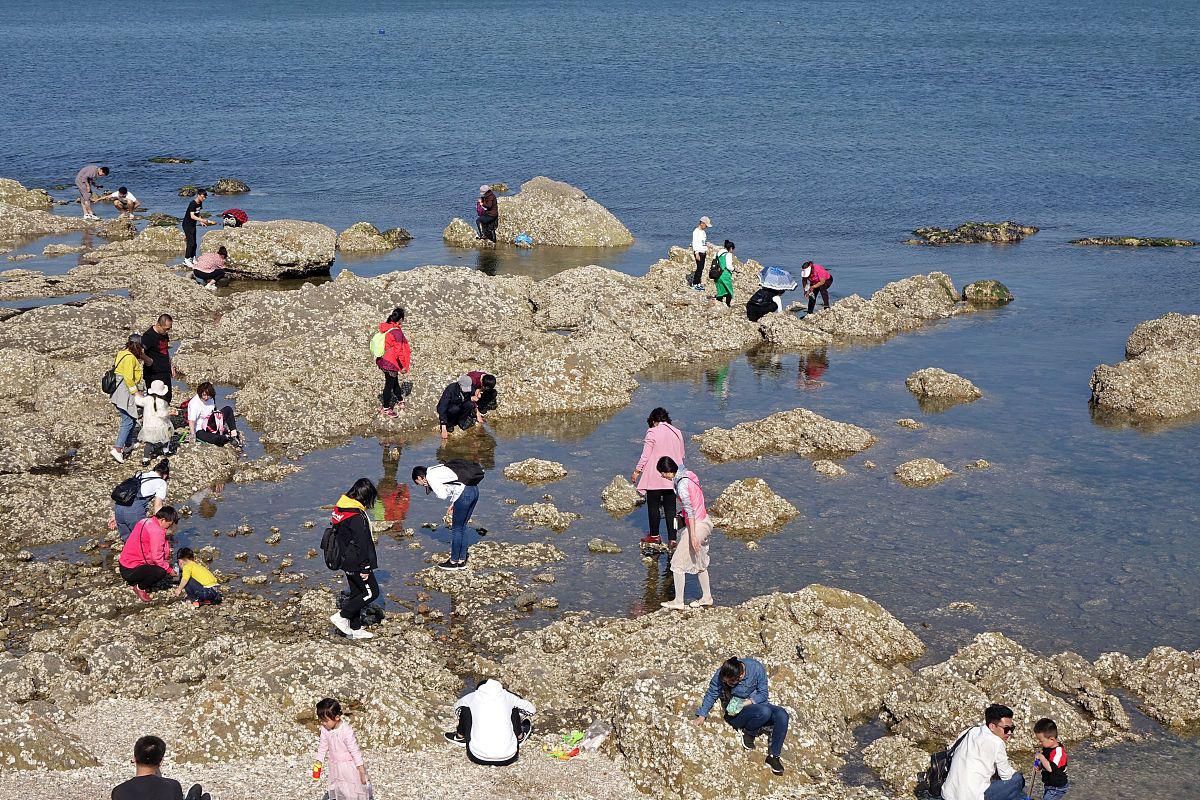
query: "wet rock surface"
553, 213
281, 248
1159, 378
937, 389
922, 472
749, 505
535, 471
1166, 682
229, 186
897, 762
987, 293
363, 238
14, 194
1134, 241
545, 515
974, 233
796, 431
830, 469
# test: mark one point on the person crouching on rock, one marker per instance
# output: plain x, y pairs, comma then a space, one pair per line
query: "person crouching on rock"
492, 724
741, 686
485, 384
816, 280
209, 269
395, 359
145, 562
196, 581
691, 555
458, 406
124, 201
351, 522
487, 214
347, 770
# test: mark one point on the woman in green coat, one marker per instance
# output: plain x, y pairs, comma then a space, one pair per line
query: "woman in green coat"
724, 263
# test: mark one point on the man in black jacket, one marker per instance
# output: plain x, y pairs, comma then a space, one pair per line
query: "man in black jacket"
353, 529
457, 406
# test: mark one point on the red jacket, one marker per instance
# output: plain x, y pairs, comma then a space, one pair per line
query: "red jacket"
397, 353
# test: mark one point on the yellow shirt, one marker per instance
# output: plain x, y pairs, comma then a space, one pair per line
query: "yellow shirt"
127, 365
194, 569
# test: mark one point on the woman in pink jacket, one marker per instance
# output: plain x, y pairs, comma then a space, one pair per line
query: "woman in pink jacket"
145, 562
662, 439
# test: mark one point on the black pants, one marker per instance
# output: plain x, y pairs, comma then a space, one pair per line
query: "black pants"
660, 503
821, 289
462, 417
487, 227
197, 793
217, 275
520, 726
189, 233
698, 276
362, 594
728, 298
152, 450
393, 390
212, 436
147, 577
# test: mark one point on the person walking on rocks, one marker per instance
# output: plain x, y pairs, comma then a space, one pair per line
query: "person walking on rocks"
458, 406
157, 430
487, 214
741, 686
351, 524
127, 366
980, 754
723, 262
700, 252
492, 724
192, 218
817, 280
662, 439
147, 782
151, 496
457, 482
393, 356
124, 201
145, 561
691, 555
347, 770
157, 343
85, 182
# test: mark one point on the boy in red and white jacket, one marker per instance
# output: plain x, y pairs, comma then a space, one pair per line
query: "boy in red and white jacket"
1052, 760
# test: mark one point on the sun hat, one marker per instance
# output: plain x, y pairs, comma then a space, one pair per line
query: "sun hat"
706, 221
484, 189
157, 388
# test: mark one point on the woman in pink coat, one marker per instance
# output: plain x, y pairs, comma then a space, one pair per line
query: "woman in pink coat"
662, 439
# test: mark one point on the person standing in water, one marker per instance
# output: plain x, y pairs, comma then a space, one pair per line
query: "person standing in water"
662, 439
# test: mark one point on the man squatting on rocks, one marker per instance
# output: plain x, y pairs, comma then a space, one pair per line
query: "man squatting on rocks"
147, 782
741, 686
85, 181
981, 755
124, 201
458, 406
492, 723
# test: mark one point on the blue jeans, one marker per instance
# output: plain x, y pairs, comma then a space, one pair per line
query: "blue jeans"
464, 507
128, 516
125, 433
1011, 789
756, 716
195, 591
1055, 792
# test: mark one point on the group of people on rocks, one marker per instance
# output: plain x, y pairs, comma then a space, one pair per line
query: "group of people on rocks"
980, 768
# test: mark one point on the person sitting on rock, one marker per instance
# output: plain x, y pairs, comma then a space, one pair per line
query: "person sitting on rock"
980, 756
487, 211
124, 201
485, 384
208, 269
147, 782
690, 555
157, 431
816, 280
741, 686
151, 496
196, 581
145, 562
206, 424
458, 406
492, 724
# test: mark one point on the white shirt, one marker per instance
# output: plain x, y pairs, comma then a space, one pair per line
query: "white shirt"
444, 482
492, 737
199, 410
980, 755
699, 240
129, 198
152, 485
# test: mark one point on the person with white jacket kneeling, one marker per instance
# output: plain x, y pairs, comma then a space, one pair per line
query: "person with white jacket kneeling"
492, 723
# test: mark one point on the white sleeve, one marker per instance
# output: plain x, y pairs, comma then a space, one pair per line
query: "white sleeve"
1003, 768
161, 491
195, 405
521, 703
437, 482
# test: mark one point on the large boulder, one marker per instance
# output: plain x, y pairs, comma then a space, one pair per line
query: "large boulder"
229, 186
154, 240
796, 431
17, 222
12, 193
937, 389
1159, 378
620, 496
899, 306
534, 471
282, 248
987, 293
363, 238
553, 213
897, 761
974, 233
749, 505
31, 741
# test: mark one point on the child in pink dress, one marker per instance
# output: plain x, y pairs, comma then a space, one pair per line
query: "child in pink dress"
347, 773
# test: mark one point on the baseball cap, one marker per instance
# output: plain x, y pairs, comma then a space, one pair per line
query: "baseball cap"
706, 221
465, 383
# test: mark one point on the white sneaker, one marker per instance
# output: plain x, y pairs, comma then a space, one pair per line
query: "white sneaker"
117, 455
361, 634
342, 624
90, 216
211, 286
187, 262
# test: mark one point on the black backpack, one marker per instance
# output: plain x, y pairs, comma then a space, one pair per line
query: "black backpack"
126, 492
714, 272
469, 473
929, 783
108, 385
337, 547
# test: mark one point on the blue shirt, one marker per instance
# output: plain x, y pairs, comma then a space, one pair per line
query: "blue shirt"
753, 685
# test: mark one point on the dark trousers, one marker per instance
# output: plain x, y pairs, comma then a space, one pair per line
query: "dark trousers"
152, 450
487, 227
520, 726
197, 793
147, 577
728, 298
205, 594
217, 275
362, 594
189, 233
660, 503
698, 275
460, 416
753, 718
823, 290
212, 436
393, 390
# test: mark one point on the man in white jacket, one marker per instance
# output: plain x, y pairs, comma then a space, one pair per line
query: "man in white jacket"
492, 724
981, 756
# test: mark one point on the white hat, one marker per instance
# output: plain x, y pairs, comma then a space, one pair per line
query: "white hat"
157, 388
806, 272
484, 189
706, 221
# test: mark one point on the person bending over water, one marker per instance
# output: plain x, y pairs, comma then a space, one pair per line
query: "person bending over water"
145, 562
691, 555
741, 686
817, 280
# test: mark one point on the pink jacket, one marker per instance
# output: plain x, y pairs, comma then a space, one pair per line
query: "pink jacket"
818, 275
147, 544
340, 745
664, 439
691, 496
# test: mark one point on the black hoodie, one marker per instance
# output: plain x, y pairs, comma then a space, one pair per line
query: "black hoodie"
351, 521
